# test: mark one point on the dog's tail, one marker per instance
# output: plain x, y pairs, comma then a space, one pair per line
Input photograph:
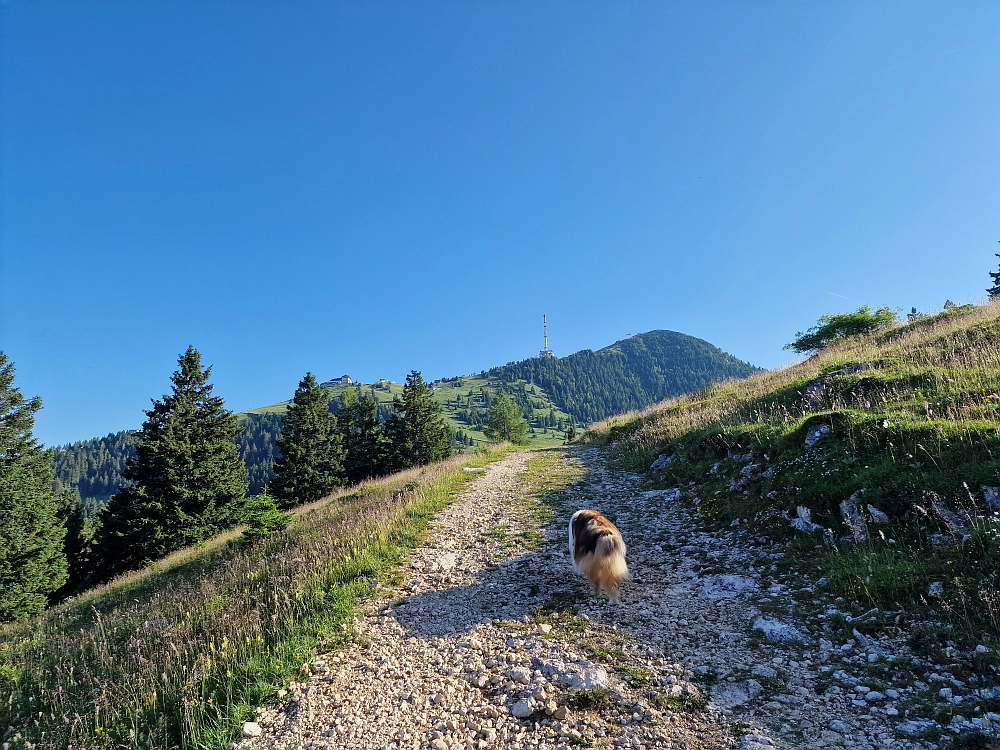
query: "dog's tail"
609, 568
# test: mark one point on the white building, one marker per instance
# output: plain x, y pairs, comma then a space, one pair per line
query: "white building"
342, 380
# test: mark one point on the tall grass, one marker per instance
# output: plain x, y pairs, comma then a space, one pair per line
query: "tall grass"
178, 656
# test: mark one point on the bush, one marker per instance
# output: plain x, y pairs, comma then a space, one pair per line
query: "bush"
831, 328
263, 518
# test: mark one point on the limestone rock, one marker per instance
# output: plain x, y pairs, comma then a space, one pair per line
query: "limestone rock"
877, 515
584, 675
853, 518
778, 632
522, 709
816, 433
661, 462
252, 729
731, 694
916, 726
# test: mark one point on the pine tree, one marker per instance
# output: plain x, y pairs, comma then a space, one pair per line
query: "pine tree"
416, 431
311, 464
506, 422
186, 482
363, 438
32, 560
994, 291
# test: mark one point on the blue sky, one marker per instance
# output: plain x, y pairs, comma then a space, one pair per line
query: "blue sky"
373, 187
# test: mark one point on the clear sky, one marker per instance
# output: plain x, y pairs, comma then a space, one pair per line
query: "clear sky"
370, 187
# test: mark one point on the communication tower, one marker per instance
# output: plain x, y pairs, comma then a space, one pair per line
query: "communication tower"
546, 352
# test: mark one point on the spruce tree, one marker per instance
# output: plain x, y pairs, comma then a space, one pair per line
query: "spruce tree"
32, 560
311, 464
506, 422
994, 291
416, 431
186, 481
364, 440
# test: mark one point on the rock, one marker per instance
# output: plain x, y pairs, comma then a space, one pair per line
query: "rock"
878, 516
935, 589
561, 713
945, 693
853, 518
916, 726
855, 368
802, 521
661, 462
522, 709
754, 742
671, 494
252, 729
874, 695
444, 563
813, 393
731, 694
816, 433
583, 675
728, 586
957, 523
762, 670
544, 628
790, 700
839, 726
520, 675
778, 632
992, 497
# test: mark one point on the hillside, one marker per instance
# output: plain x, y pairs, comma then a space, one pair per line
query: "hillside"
629, 374
889, 444
554, 393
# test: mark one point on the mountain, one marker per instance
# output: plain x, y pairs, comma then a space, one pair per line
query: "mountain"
554, 394
630, 374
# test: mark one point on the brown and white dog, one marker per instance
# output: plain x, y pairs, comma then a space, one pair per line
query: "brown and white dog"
597, 551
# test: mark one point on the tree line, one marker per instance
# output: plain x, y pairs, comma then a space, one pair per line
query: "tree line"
186, 478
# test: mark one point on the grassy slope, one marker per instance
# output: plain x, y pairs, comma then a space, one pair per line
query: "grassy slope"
926, 416
454, 396
180, 654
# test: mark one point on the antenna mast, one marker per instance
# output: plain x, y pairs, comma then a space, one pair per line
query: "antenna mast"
546, 352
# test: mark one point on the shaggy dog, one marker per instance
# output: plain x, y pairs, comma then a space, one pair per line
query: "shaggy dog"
597, 550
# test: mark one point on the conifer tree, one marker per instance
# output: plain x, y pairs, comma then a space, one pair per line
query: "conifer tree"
186, 482
364, 440
994, 291
416, 431
32, 560
311, 464
506, 422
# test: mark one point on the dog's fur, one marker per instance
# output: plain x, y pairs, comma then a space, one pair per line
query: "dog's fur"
597, 550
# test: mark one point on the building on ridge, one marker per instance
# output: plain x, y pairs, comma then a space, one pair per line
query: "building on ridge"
342, 380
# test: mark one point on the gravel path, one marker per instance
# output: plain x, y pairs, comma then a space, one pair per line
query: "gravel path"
490, 640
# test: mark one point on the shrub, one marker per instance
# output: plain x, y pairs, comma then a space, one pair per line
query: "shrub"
831, 328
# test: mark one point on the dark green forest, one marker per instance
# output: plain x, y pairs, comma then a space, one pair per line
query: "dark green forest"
629, 374
94, 467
